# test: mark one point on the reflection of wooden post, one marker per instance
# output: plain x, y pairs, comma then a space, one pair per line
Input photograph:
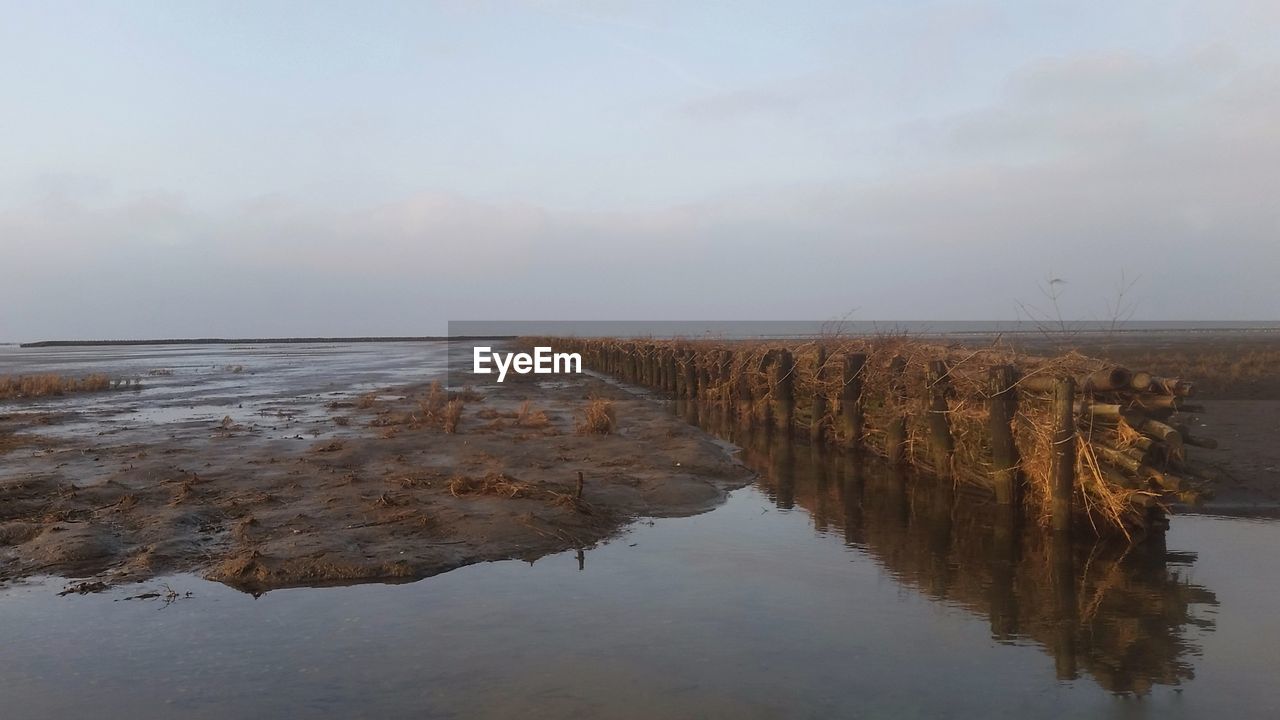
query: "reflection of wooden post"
1063, 459
851, 398
1004, 457
1065, 616
818, 411
783, 456
784, 398
1004, 562
941, 444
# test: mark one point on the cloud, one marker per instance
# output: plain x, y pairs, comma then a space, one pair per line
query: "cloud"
1162, 166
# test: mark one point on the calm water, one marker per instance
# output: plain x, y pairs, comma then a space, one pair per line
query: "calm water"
828, 589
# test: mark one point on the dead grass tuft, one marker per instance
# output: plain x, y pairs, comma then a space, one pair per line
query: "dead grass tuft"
452, 415
530, 418
598, 418
497, 484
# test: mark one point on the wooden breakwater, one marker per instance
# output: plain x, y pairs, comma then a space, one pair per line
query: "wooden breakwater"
1071, 440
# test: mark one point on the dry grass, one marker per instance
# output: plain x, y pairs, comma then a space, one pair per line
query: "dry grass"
432, 405
529, 418
25, 387
598, 418
496, 484
452, 415
742, 378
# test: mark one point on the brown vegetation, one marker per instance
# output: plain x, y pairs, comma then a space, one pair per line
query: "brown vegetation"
451, 416
932, 406
530, 418
598, 418
25, 387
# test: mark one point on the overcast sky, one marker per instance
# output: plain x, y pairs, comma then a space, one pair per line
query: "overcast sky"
274, 168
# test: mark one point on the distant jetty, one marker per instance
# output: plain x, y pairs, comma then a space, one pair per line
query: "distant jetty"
259, 341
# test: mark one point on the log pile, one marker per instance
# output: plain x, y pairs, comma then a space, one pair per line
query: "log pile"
983, 418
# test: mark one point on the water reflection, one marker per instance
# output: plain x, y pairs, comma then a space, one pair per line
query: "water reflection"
1120, 615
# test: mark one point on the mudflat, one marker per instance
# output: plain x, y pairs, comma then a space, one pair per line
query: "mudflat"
379, 492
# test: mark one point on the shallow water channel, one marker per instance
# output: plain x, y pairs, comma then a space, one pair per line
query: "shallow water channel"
828, 589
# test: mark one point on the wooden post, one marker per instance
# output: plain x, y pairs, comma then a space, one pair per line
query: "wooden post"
784, 398
1063, 459
744, 396
690, 375
851, 397
895, 434
941, 445
726, 388
818, 410
1004, 454
704, 378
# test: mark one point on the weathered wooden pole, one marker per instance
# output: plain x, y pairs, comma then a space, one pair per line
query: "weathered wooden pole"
941, 444
818, 410
765, 409
1063, 458
1004, 454
784, 398
851, 397
689, 374
704, 378
726, 387
895, 433
744, 395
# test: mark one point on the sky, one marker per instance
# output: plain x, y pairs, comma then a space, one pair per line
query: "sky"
363, 168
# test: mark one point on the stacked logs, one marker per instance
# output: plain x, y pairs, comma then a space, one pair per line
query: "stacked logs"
1068, 438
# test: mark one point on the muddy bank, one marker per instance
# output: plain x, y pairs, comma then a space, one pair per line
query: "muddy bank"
381, 493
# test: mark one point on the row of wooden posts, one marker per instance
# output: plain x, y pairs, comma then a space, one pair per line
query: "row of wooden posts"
673, 369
